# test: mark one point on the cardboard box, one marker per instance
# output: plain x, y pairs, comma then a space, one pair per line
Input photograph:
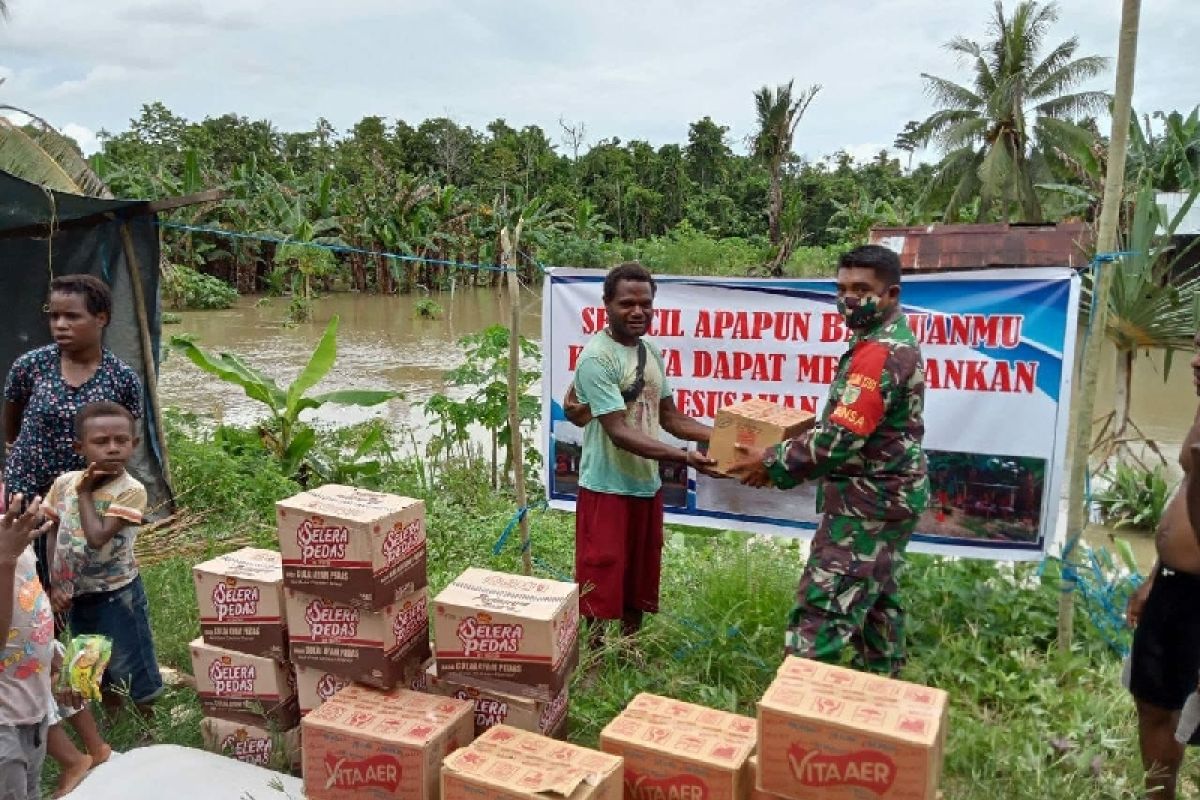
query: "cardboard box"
677, 749
366, 744
509, 632
277, 750
315, 686
361, 548
510, 764
755, 423
373, 647
244, 688
492, 707
755, 792
829, 733
240, 596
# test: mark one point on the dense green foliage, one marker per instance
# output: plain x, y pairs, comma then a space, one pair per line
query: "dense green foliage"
183, 288
443, 191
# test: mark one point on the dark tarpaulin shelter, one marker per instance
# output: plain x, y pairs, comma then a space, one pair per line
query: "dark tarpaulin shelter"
44, 234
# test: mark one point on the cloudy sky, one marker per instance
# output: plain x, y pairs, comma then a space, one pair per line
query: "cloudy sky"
628, 69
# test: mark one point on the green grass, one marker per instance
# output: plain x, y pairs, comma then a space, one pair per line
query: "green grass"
1025, 721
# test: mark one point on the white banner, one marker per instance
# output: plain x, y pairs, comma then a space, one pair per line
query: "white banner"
998, 347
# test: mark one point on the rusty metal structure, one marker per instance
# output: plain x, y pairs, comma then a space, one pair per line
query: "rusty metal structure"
941, 248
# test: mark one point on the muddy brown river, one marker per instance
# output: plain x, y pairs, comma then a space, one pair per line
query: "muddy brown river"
384, 344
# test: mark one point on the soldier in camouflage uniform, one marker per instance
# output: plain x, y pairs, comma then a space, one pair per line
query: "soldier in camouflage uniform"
866, 448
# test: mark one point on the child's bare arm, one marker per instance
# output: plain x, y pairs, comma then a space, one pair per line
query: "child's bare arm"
97, 530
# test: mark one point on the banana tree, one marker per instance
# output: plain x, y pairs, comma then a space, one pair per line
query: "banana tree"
303, 216
1147, 309
288, 438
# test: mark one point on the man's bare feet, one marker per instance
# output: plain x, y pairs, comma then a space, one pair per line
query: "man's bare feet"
101, 755
72, 775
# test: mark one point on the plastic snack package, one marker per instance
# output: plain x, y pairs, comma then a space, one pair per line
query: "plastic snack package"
84, 663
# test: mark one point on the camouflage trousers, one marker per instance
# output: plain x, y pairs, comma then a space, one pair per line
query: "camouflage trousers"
848, 594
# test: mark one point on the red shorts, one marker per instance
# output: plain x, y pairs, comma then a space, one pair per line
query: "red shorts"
618, 553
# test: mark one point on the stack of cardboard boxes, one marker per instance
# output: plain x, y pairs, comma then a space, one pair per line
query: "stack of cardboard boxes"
246, 686
509, 643
354, 576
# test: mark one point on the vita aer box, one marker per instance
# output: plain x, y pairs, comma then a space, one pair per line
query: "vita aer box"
509, 764
367, 744
830, 733
677, 749
756, 424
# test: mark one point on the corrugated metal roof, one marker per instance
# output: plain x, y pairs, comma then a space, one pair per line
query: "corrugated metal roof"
946, 247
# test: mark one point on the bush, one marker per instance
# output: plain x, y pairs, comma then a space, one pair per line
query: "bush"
185, 289
1135, 497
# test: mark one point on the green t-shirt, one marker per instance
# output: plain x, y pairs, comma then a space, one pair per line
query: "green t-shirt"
604, 369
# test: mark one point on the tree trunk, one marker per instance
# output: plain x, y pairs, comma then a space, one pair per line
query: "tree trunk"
1123, 394
775, 205
1106, 240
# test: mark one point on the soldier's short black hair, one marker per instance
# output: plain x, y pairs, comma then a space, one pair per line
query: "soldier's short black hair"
880, 260
627, 271
97, 297
102, 408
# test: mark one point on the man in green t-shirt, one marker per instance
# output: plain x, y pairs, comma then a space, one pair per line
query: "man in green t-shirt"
621, 399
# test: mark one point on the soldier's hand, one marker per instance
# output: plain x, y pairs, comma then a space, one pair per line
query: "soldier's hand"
750, 468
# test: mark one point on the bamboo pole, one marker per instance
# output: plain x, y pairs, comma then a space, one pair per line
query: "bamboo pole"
148, 366
1106, 242
509, 247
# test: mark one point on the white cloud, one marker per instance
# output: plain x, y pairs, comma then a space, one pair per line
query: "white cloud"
625, 68
97, 78
84, 137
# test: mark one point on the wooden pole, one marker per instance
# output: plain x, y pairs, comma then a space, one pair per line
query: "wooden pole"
139, 307
1106, 242
509, 247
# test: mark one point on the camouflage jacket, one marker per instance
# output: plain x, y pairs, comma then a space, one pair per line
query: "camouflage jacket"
867, 443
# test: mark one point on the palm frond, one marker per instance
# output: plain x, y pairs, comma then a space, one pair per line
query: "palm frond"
964, 133
40, 154
1065, 76
1074, 105
1055, 59
948, 93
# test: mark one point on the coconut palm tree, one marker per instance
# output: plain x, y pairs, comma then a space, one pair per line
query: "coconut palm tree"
36, 152
778, 114
995, 133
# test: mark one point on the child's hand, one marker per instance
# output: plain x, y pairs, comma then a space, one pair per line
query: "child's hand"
21, 523
94, 477
60, 600
67, 696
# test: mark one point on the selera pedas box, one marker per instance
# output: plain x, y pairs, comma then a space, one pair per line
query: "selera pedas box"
361, 548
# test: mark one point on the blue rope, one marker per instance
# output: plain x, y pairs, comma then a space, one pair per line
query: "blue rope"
513, 522
333, 248
1103, 598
